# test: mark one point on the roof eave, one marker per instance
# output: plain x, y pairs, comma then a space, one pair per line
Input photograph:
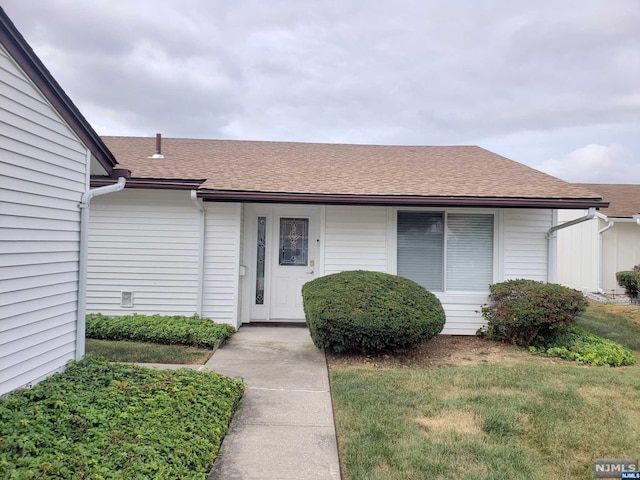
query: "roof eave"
399, 200
23, 54
151, 183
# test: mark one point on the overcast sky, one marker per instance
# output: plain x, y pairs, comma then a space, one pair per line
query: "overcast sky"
554, 84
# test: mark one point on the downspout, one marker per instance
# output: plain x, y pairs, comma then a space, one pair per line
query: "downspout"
600, 250
199, 205
84, 206
552, 245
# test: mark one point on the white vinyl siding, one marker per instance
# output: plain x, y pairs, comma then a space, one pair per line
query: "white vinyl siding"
145, 242
462, 311
43, 167
526, 244
222, 262
355, 239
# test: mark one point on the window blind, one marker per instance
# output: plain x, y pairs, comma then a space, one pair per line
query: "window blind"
420, 248
469, 252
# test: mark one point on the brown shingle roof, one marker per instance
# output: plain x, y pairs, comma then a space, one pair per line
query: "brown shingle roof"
624, 199
337, 169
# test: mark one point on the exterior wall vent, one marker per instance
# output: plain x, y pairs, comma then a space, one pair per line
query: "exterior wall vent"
126, 299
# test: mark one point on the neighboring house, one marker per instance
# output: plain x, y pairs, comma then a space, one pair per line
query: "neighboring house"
231, 230
47, 153
590, 254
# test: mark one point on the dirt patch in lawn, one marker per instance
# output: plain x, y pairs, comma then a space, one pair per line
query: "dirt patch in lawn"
458, 422
441, 350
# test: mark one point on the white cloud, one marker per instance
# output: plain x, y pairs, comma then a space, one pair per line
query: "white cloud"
594, 164
507, 76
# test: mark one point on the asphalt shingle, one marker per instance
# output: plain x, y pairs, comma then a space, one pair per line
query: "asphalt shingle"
339, 169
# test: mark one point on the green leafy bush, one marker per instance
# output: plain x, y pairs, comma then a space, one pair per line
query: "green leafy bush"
169, 330
630, 281
361, 311
584, 347
118, 421
524, 312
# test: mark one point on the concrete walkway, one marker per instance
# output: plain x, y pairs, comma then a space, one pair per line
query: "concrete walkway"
284, 426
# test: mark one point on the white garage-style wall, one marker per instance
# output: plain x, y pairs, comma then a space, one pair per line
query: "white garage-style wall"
620, 251
579, 252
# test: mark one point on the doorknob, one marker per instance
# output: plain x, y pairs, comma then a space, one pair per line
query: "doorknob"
309, 272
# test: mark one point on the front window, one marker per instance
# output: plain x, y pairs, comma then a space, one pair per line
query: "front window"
446, 251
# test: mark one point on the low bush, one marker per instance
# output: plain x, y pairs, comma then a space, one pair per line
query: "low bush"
361, 311
99, 420
584, 347
630, 281
525, 312
169, 330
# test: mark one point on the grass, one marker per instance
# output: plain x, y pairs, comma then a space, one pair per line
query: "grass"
620, 323
118, 421
143, 352
536, 420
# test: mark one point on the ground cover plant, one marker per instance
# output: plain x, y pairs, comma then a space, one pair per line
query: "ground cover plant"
584, 347
528, 417
145, 352
171, 330
366, 311
116, 421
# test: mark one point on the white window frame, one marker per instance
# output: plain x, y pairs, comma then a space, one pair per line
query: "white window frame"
392, 253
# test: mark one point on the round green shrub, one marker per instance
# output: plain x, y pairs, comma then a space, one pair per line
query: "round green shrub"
526, 312
630, 281
362, 311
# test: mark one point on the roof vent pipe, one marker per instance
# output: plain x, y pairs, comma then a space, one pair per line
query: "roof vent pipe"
158, 153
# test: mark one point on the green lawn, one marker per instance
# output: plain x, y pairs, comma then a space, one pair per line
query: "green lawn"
144, 352
534, 420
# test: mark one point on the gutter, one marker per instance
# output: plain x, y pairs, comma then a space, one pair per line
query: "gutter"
552, 256
201, 244
397, 200
84, 254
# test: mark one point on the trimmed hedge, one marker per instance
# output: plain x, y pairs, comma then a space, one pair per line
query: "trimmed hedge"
630, 281
169, 330
118, 421
525, 312
361, 311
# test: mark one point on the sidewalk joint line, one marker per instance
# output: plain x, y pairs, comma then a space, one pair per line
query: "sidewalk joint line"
288, 389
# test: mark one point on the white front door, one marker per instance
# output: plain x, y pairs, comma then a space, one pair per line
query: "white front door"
295, 238
286, 243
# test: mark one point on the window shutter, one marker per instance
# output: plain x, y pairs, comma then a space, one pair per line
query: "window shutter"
420, 248
469, 252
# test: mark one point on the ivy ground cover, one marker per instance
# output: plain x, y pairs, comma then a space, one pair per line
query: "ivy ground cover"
116, 421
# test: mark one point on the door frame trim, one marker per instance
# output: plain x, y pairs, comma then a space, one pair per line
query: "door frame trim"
248, 280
